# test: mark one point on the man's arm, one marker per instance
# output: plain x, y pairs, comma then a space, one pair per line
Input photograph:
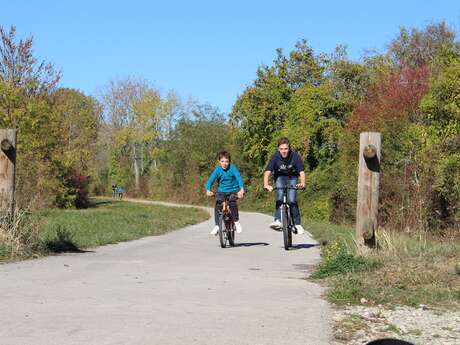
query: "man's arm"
267, 186
301, 184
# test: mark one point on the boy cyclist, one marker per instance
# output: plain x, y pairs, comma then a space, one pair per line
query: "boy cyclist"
229, 183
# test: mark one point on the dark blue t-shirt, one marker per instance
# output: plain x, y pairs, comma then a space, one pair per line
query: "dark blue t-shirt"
292, 165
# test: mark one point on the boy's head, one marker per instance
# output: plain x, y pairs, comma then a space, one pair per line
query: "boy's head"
224, 159
283, 147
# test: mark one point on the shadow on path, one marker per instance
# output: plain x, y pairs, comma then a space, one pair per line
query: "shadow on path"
251, 244
303, 246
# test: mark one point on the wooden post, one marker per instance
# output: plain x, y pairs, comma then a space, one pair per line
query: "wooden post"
7, 170
368, 189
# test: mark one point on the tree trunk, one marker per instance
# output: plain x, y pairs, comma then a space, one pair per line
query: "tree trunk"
136, 170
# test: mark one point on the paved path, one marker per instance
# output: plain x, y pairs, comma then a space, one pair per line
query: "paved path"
179, 288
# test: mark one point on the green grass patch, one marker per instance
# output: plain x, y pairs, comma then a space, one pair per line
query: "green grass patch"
104, 222
107, 222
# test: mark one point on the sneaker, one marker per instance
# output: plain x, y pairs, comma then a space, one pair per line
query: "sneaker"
238, 227
276, 225
215, 230
300, 229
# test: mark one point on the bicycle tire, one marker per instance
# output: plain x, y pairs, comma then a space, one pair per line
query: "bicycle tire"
231, 235
289, 231
284, 224
222, 232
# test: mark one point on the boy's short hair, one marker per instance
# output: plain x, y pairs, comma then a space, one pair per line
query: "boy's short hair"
224, 154
283, 141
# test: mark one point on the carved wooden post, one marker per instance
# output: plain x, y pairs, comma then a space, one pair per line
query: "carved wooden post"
368, 189
7, 170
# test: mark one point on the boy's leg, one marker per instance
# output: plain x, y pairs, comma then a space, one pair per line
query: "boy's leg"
233, 205
218, 207
233, 208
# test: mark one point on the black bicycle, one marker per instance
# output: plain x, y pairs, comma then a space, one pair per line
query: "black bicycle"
287, 221
227, 229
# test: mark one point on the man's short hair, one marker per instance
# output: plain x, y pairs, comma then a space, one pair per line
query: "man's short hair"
224, 154
283, 141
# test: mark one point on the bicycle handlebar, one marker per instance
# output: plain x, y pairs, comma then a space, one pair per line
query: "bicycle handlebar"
287, 187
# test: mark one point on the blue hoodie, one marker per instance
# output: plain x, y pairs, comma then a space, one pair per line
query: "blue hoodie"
228, 181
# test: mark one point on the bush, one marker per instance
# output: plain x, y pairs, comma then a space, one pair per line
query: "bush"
19, 235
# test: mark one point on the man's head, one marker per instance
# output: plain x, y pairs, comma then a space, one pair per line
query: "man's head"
224, 159
283, 147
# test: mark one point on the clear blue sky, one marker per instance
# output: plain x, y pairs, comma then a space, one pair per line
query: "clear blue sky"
208, 50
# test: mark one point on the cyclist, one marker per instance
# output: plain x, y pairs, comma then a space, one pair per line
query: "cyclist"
229, 182
287, 167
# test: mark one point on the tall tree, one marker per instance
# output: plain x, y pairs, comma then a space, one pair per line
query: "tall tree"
135, 113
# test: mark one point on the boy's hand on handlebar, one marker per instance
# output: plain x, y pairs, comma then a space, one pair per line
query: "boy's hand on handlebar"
240, 194
268, 188
209, 193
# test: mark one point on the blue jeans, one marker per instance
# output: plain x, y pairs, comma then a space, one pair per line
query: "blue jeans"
289, 181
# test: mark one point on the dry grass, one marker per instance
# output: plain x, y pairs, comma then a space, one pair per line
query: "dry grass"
19, 235
404, 269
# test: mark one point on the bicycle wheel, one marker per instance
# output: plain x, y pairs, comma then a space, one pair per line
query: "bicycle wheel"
289, 228
231, 234
222, 232
284, 224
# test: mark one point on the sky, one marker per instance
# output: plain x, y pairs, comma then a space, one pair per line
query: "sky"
205, 50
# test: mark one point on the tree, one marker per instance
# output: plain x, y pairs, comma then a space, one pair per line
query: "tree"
135, 114
420, 47
19, 68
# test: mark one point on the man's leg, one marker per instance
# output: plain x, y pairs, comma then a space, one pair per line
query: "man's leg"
279, 184
292, 200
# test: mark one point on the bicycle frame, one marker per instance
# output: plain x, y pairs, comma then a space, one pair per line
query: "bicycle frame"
226, 225
286, 218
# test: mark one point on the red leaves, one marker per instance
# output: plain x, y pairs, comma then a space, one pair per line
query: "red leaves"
394, 98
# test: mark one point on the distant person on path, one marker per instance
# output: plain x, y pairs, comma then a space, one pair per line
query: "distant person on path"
114, 190
120, 192
229, 183
287, 167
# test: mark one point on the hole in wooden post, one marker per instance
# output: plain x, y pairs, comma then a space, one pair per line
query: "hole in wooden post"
6, 145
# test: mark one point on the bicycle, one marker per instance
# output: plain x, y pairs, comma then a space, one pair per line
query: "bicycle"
287, 222
227, 230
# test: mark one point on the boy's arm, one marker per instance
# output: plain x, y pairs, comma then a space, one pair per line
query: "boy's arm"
210, 181
240, 181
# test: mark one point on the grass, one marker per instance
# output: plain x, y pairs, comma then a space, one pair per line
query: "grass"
104, 222
403, 270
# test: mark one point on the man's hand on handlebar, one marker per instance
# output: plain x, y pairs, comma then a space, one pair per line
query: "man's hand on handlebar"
268, 188
300, 185
240, 194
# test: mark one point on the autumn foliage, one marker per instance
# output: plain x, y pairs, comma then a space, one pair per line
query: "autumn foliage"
396, 97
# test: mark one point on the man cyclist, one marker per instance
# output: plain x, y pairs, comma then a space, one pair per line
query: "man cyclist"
287, 167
